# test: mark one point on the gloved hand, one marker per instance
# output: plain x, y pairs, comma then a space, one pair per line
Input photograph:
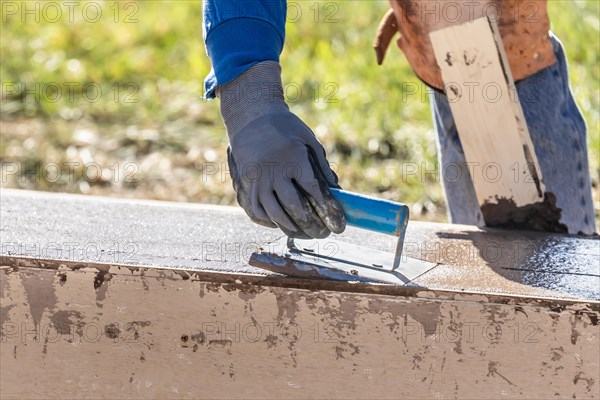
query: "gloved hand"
278, 166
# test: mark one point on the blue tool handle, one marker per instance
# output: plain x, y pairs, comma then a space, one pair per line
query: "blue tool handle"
373, 214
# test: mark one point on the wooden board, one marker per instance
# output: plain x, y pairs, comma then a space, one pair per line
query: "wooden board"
488, 114
114, 332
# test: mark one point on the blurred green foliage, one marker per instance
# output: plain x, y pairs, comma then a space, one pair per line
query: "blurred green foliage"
122, 90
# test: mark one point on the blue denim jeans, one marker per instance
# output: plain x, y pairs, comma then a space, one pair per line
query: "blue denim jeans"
558, 133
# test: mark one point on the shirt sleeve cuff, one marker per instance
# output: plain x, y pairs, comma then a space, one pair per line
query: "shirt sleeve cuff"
237, 44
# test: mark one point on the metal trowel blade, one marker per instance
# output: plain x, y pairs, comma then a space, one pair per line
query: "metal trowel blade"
337, 260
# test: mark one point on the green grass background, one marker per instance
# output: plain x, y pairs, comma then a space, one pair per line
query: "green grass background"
157, 138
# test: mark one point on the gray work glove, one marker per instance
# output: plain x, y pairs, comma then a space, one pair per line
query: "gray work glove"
278, 166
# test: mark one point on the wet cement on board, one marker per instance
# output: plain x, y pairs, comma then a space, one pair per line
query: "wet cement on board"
542, 216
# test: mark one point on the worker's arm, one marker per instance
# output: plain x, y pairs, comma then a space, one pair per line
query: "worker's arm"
239, 34
279, 169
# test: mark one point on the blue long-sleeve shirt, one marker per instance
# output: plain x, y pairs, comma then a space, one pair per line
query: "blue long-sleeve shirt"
239, 34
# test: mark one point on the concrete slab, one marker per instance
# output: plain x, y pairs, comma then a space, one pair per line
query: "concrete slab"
108, 298
221, 239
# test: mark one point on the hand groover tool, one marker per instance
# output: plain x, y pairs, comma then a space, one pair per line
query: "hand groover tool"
338, 260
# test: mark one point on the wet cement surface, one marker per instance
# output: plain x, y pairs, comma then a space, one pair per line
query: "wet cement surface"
542, 216
213, 238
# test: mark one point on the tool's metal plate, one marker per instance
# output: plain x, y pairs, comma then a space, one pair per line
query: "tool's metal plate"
337, 260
